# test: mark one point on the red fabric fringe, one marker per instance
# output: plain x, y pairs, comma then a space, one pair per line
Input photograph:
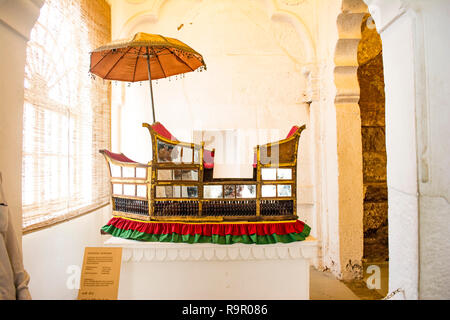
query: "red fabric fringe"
208, 229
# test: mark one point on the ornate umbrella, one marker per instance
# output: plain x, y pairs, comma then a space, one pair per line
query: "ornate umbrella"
144, 57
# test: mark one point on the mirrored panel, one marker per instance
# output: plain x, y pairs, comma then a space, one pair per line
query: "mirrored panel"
187, 155
229, 191
177, 174
164, 175
186, 174
116, 171
246, 191
168, 152
141, 173
189, 192
177, 191
128, 172
196, 155
117, 188
212, 192
141, 190
190, 175
284, 190
176, 154
164, 192
269, 174
129, 190
284, 174
268, 191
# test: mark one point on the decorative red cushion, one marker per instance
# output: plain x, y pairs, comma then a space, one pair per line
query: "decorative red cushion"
208, 155
293, 130
162, 131
208, 159
118, 156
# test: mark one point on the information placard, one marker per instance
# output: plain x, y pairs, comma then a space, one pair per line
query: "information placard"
100, 274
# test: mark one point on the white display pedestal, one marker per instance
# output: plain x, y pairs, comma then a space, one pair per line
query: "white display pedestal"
179, 271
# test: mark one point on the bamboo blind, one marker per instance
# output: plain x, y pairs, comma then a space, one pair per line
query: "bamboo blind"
66, 114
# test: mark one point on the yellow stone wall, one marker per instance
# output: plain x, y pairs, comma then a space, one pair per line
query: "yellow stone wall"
372, 107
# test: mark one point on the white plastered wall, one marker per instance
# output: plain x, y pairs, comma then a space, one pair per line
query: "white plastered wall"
270, 65
429, 191
47, 253
259, 63
417, 80
308, 96
54, 256
17, 18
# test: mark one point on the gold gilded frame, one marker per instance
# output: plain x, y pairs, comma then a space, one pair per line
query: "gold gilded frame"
288, 159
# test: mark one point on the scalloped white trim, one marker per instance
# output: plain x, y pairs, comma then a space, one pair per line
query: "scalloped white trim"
135, 251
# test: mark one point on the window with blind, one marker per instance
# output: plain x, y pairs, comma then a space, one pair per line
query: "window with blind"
66, 114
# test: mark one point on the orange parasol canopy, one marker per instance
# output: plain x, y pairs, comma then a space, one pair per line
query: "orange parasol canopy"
144, 57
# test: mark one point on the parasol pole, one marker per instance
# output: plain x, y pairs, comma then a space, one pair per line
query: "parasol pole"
150, 82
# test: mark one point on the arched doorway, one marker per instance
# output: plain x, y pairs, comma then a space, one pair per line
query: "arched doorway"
361, 146
372, 110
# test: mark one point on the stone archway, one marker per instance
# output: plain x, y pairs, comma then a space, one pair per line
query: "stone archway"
361, 144
372, 109
349, 143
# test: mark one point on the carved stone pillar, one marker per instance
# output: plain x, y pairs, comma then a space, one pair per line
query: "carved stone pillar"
349, 147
